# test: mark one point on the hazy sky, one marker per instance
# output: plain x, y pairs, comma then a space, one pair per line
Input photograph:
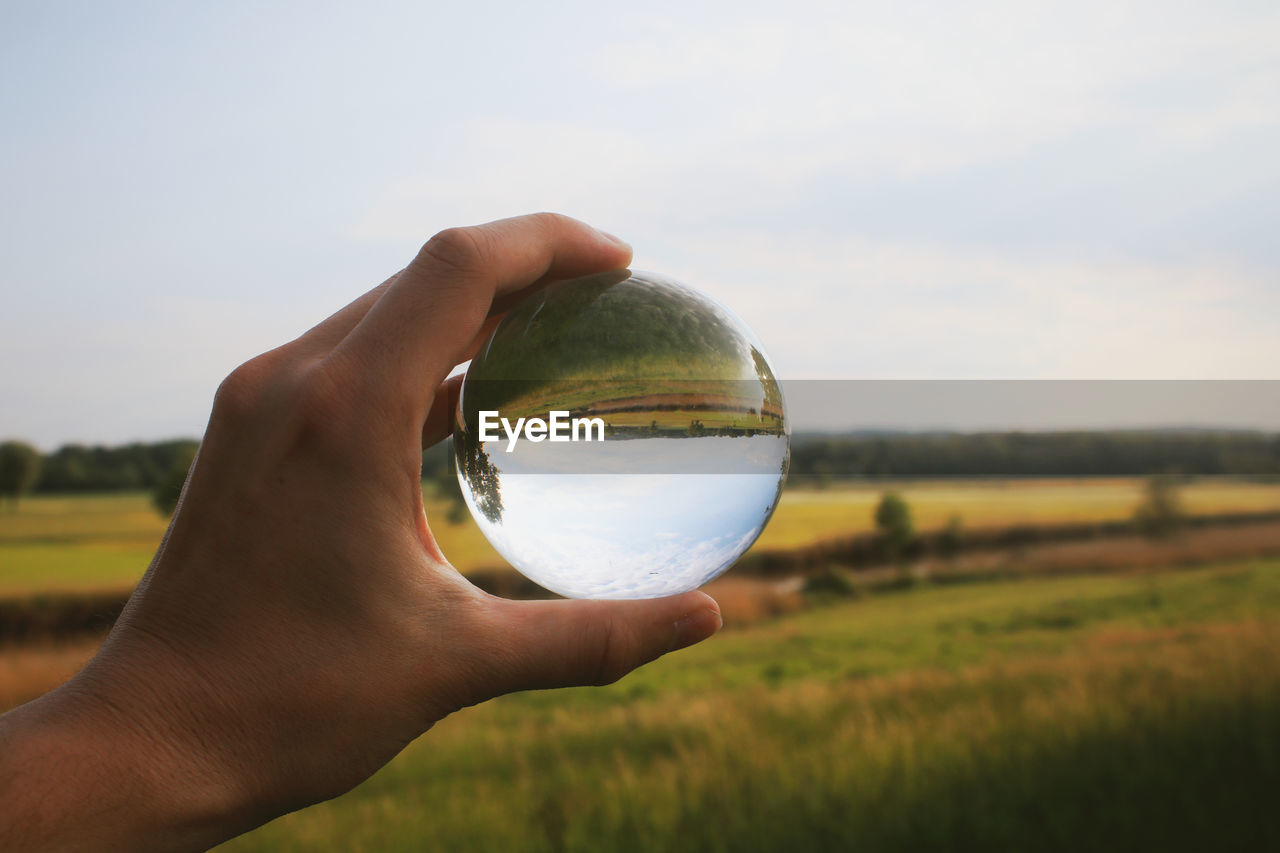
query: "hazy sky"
894, 190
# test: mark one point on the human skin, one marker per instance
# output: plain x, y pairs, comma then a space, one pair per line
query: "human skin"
299, 625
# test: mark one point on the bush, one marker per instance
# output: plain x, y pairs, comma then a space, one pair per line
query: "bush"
893, 523
831, 583
1160, 514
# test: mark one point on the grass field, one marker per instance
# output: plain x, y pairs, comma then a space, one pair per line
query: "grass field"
1134, 709
106, 541
808, 515
1118, 713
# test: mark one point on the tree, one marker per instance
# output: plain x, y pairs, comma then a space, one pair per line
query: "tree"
1160, 513
893, 521
164, 497
19, 467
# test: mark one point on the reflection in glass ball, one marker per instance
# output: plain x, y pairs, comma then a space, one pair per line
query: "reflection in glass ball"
621, 436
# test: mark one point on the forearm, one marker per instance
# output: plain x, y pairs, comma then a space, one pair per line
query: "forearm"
76, 775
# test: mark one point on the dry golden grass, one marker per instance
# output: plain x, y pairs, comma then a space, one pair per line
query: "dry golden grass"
746, 601
97, 542
806, 516
29, 671
1130, 553
1078, 735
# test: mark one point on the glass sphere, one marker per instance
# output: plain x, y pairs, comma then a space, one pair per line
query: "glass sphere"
621, 436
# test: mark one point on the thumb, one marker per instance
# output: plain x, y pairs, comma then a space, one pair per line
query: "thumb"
575, 642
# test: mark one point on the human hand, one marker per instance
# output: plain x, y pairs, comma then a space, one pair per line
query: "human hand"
299, 625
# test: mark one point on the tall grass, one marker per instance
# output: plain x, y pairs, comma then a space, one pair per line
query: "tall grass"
1113, 713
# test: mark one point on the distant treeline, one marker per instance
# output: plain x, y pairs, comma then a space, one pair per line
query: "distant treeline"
1036, 454
78, 468
139, 466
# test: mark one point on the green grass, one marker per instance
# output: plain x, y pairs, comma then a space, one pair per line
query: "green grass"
100, 542
71, 567
1115, 713
122, 518
85, 542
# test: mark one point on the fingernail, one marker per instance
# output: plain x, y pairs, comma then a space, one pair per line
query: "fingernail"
695, 627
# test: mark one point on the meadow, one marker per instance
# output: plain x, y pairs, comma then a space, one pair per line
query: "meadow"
104, 542
1117, 713
1124, 703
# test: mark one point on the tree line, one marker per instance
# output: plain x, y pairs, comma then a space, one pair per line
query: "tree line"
148, 466
1036, 454
80, 468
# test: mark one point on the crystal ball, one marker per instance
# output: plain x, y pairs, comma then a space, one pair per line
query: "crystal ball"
621, 436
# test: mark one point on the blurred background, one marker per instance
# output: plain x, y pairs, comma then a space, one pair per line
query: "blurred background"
1007, 601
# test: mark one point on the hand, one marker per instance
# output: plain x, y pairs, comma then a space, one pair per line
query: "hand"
299, 625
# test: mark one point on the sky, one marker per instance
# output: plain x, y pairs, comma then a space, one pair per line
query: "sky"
898, 190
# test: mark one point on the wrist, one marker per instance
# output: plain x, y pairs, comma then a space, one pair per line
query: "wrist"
81, 769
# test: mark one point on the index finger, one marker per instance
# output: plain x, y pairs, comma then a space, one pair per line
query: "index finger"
426, 321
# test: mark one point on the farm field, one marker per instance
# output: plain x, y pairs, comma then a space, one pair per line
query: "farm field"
102, 542
1127, 705
1134, 712
806, 515
1118, 712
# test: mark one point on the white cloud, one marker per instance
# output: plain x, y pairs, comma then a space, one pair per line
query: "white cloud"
846, 308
